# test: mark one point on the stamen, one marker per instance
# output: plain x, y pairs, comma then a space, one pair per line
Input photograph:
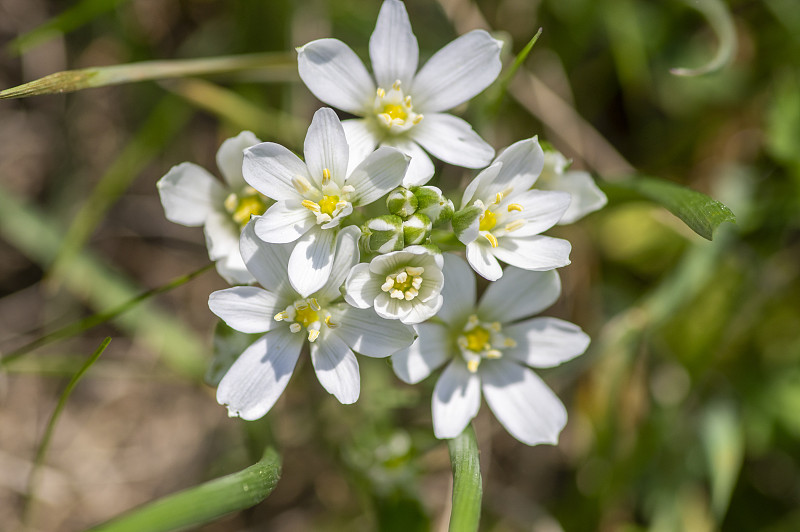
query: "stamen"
388, 285
473, 320
330, 323
462, 342
513, 226
508, 342
300, 304
491, 238
473, 364
498, 197
313, 334
407, 101
381, 93
280, 316
417, 119
401, 277
514, 207
231, 202
495, 326
397, 294
411, 293
301, 184
415, 270
310, 205
493, 353
295, 327
314, 304
348, 189
416, 282
326, 176
396, 85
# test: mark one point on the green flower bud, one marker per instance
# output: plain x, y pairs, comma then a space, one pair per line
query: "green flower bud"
433, 204
383, 234
401, 202
416, 229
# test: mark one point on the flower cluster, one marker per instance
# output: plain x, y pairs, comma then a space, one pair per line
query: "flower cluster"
342, 277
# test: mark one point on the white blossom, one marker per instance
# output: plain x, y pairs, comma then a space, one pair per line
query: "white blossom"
585, 194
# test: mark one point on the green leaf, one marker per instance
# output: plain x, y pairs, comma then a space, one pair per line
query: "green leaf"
467, 487
228, 345
721, 21
700, 212
204, 503
723, 441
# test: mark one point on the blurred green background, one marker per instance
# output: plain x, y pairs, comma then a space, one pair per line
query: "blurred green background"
685, 411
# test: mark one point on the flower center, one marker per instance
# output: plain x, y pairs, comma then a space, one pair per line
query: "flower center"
394, 111
241, 207
327, 205
308, 314
480, 340
329, 202
405, 283
488, 221
490, 218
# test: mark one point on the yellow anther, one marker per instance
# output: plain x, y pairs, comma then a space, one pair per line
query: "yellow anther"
310, 205
508, 342
314, 304
326, 176
411, 293
330, 323
417, 119
280, 316
301, 304
495, 326
396, 85
313, 334
248, 206
498, 197
231, 201
407, 101
328, 204
301, 184
514, 207
472, 365
493, 353
491, 238
388, 285
487, 221
513, 226
473, 320
295, 327
401, 277
397, 294
415, 270
381, 93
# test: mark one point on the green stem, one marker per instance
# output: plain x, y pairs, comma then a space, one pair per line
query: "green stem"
465, 515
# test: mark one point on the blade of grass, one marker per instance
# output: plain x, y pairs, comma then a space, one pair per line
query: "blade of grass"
37, 236
162, 124
465, 515
204, 503
44, 444
501, 87
65, 22
94, 320
281, 65
721, 21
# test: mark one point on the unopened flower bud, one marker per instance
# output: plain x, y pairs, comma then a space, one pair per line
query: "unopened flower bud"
401, 202
416, 229
383, 234
432, 203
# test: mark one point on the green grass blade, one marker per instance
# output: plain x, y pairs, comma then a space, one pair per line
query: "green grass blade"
282, 66
501, 88
94, 320
465, 515
41, 452
203, 503
700, 212
719, 17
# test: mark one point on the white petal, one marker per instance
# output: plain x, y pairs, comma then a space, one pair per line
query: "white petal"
522, 402
540, 209
270, 168
246, 308
285, 221
366, 333
336, 368
546, 342
311, 261
456, 400
420, 169
222, 235
479, 187
326, 146
361, 141
429, 351
231, 155
483, 261
458, 291
393, 49
522, 163
535, 252
390, 308
362, 287
233, 269
457, 72
269, 263
189, 194
422, 310
452, 140
519, 294
260, 374
345, 256
586, 196
334, 74
377, 175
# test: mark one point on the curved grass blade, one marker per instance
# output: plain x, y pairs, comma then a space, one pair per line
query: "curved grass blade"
204, 503
87, 323
499, 92
700, 212
719, 17
282, 65
465, 515
51, 425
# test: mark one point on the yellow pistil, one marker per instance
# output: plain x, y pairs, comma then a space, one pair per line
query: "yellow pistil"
477, 339
488, 221
328, 204
306, 316
242, 207
395, 111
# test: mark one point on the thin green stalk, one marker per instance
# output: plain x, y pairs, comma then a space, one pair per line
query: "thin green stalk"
94, 320
204, 503
465, 515
44, 445
493, 107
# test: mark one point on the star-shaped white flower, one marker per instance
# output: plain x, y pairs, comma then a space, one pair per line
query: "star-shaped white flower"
313, 197
488, 351
333, 329
191, 196
400, 106
586, 195
501, 218
402, 285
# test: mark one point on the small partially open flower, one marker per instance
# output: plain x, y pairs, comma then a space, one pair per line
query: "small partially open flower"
586, 195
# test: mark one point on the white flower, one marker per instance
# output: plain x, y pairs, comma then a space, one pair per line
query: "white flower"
500, 218
313, 197
586, 196
404, 285
404, 109
191, 196
334, 330
488, 351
